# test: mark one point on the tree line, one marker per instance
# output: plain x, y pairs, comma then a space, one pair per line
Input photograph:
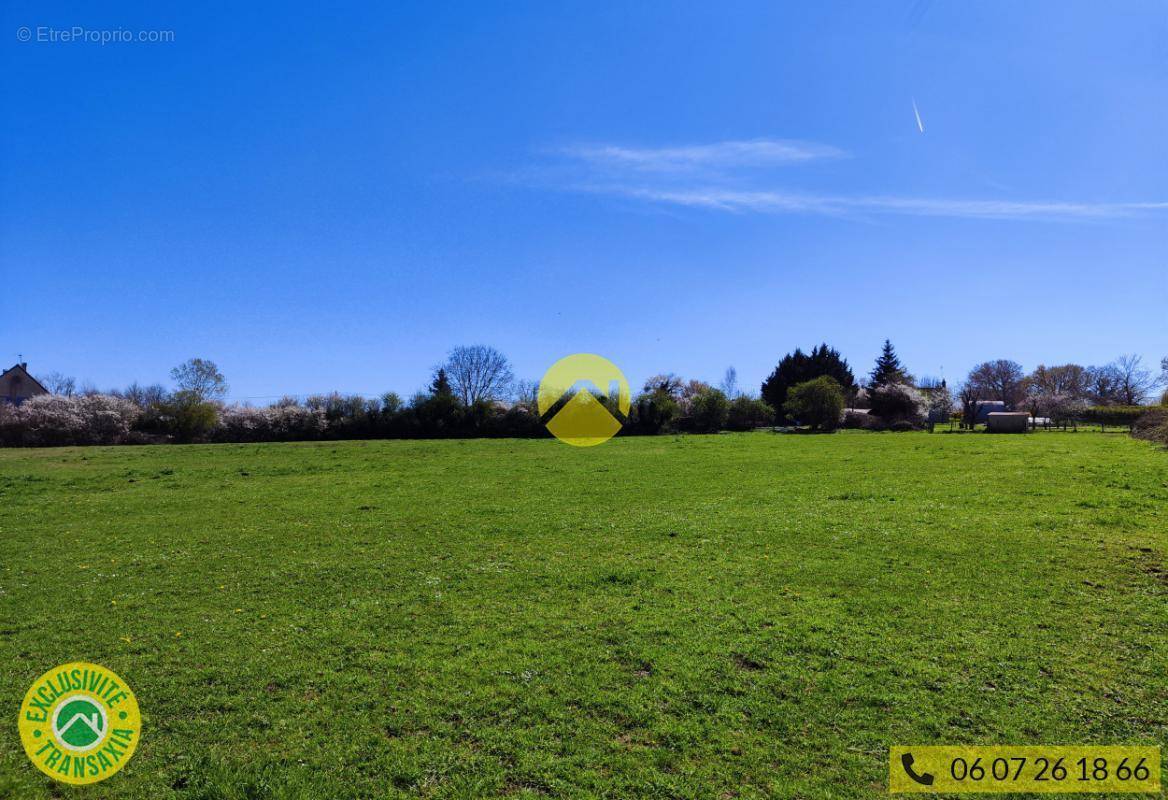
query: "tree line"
816, 387
474, 393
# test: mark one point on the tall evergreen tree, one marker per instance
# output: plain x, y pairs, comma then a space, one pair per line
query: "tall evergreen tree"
439, 413
798, 367
888, 368
440, 386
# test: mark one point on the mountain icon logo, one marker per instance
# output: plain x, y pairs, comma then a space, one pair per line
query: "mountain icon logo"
583, 399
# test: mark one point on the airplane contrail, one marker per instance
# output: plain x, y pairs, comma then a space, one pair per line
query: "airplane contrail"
920, 125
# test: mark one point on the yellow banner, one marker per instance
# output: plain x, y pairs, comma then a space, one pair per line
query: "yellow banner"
1025, 768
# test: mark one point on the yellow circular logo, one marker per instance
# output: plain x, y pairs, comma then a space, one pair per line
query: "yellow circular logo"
79, 723
583, 399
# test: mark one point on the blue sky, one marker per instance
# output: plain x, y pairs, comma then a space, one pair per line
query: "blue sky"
331, 198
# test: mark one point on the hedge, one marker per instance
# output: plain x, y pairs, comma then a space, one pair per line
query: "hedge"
1152, 425
1112, 415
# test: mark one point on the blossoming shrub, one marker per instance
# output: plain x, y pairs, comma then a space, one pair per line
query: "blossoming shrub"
897, 402
273, 424
58, 420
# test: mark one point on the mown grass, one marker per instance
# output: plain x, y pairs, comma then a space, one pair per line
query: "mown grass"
747, 615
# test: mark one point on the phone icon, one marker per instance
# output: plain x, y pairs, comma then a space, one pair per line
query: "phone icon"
906, 761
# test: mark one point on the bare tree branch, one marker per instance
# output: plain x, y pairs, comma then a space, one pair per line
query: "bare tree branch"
60, 384
478, 372
1134, 382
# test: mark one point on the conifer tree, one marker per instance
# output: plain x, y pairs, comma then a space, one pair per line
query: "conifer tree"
440, 386
798, 367
888, 368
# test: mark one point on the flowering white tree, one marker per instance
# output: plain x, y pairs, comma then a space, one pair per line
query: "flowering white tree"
894, 402
940, 402
526, 396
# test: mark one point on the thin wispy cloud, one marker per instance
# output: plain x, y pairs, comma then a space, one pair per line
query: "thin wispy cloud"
779, 202
733, 176
719, 155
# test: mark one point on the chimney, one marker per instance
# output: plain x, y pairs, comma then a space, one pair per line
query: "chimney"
24, 365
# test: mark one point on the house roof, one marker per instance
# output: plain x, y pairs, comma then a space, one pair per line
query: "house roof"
23, 368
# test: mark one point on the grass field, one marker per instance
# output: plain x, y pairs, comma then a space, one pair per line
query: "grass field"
748, 615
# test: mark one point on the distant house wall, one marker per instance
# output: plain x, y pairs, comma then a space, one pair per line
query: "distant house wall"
16, 385
1008, 422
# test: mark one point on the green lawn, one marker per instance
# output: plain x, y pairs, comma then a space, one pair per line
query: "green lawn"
750, 615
